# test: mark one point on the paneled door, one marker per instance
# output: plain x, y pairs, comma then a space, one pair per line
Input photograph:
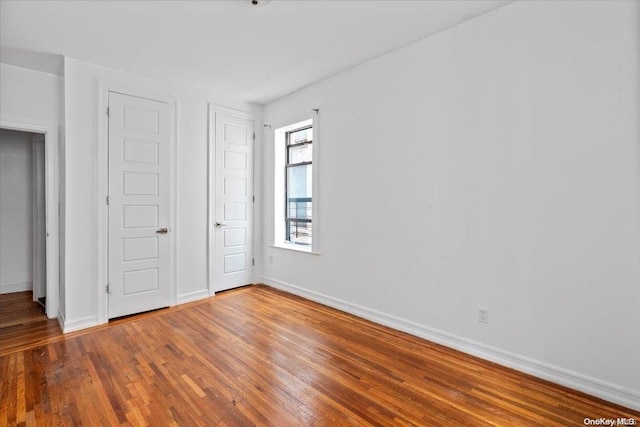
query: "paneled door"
138, 205
233, 211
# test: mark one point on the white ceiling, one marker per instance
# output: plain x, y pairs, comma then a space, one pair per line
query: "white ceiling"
255, 54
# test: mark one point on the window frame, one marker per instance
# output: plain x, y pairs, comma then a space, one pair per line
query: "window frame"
287, 166
278, 151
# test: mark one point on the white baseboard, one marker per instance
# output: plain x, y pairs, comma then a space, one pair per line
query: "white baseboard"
77, 324
595, 387
16, 287
91, 321
193, 296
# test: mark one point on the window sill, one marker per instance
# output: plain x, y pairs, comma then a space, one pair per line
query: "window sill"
295, 248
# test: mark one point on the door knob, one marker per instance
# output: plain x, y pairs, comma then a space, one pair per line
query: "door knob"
162, 231
219, 224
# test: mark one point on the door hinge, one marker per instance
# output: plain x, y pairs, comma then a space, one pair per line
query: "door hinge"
107, 199
107, 111
253, 261
254, 136
108, 290
254, 199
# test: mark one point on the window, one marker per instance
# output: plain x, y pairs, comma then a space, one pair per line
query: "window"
295, 192
298, 186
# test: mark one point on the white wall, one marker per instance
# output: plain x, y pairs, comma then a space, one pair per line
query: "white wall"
494, 164
16, 226
29, 96
33, 98
81, 87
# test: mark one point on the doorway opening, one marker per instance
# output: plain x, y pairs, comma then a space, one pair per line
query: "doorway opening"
22, 214
29, 262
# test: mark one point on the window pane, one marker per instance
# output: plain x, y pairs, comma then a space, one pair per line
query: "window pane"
299, 199
299, 232
301, 153
299, 181
299, 208
301, 136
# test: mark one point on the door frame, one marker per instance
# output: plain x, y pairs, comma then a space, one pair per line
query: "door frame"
211, 186
52, 197
38, 206
103, 184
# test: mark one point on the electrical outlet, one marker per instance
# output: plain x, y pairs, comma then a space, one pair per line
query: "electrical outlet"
483, 315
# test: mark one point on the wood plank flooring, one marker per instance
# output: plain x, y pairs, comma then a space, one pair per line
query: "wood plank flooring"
24, 336
258, 356
19, 308
23, 323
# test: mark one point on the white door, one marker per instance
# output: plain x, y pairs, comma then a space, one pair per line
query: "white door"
233, 212
39, 219
139, 211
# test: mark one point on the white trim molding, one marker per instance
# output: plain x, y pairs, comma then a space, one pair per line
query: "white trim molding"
193, 296
595, 387
78, 324
61, 320
16, 287
52, 196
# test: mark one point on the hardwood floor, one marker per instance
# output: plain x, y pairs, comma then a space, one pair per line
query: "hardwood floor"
258, 356
19, 308
23, 323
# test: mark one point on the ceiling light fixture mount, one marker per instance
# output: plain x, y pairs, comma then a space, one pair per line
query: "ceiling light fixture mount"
252, 3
